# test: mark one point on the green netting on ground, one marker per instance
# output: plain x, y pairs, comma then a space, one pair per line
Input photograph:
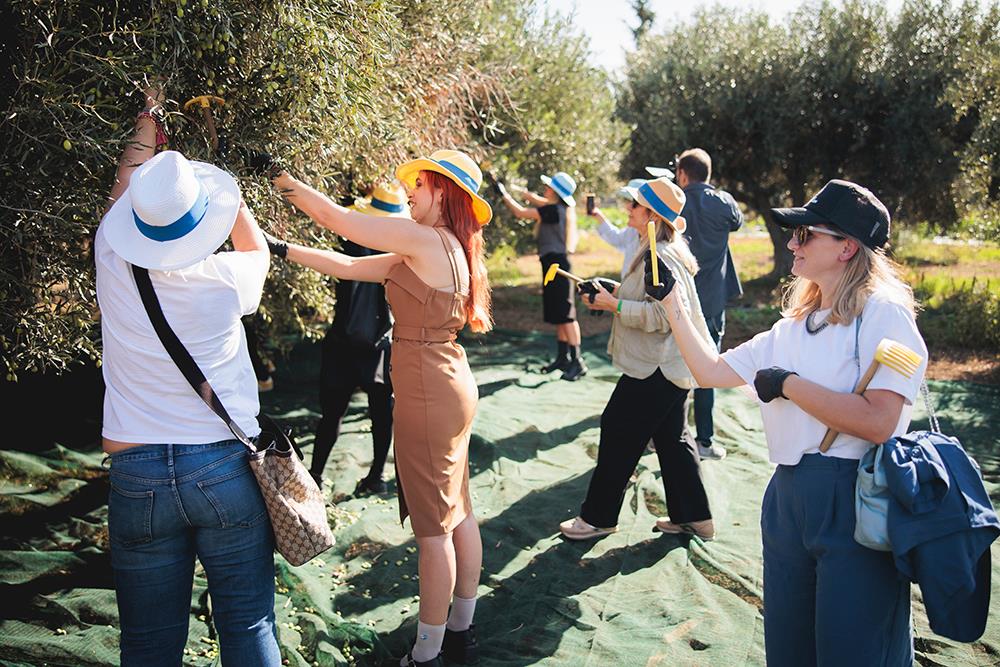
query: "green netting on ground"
633, 598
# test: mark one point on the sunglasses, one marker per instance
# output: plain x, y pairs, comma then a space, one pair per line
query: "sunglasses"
805, 232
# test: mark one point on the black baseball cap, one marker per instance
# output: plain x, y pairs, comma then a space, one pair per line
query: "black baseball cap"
847, 206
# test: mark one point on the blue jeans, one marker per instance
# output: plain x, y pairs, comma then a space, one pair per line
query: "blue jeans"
704, 399
827, 600
168, 504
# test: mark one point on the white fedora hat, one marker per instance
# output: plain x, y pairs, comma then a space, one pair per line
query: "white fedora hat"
659, 172
174, 213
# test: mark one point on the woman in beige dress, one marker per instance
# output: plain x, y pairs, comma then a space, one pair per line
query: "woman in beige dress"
436, 283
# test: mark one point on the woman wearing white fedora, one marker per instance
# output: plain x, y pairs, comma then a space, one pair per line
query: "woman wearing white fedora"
648, 400
180, 483
436, 283
554, 213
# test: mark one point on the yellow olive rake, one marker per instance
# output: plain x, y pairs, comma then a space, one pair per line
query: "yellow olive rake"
555, 270
890, 354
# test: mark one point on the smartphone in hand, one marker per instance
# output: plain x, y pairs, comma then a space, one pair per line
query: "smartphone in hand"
591, 203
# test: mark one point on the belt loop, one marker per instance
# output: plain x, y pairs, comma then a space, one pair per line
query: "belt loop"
170, 460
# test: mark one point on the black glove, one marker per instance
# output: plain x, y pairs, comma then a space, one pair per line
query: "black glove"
769, 382
589, 287
264, 164
666, 276
276, 246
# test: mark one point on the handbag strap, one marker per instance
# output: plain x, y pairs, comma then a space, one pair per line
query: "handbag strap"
931, 416
857, 348
181, 357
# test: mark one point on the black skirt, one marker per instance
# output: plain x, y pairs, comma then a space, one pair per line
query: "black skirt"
559, 296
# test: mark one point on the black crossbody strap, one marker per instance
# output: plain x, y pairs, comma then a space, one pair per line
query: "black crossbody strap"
181, 357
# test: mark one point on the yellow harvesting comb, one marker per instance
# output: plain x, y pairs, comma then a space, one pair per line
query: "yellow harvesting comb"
555, 270
550, 274
891, 354
651, 235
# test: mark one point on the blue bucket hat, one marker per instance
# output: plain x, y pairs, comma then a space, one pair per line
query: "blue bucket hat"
563, 185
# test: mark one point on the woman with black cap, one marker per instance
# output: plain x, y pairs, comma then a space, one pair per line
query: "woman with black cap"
827, 599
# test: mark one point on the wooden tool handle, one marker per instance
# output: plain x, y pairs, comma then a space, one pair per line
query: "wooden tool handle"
576, 279
831, 435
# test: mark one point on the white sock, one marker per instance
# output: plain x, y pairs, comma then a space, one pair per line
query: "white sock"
460, 617
428, 643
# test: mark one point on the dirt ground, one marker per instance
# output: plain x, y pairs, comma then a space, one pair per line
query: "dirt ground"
519, 307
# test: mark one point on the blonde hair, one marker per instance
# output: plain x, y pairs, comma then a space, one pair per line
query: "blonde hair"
869, 271
666, 234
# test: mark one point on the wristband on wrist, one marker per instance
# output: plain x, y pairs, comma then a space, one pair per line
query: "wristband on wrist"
154, 115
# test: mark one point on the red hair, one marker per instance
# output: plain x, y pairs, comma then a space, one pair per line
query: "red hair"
458, 216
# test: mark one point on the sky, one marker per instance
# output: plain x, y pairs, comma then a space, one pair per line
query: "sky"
608, 23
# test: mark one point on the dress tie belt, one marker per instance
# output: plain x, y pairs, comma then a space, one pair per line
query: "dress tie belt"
423, 334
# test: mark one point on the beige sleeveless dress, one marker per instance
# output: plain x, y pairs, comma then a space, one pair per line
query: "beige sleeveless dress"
436, 399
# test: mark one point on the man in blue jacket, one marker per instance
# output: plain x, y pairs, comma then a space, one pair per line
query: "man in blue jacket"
711, 215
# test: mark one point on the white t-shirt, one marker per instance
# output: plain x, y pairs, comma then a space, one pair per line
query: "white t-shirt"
827, 358
147, 399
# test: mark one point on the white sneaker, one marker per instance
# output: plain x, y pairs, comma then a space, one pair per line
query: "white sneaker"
712, 452
578, 529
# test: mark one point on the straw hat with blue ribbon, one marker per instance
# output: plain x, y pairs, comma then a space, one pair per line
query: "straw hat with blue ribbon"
663, 197
563, 185
455, 165
175, 213
386, 201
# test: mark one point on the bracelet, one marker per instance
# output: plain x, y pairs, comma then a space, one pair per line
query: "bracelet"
161, 135
619, 308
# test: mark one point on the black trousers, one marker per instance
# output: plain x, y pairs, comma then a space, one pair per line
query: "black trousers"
637, 411
344, 371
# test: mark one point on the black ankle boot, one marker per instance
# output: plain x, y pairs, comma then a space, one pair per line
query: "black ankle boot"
461, 648
575, 370
369, 487
558, 364
561, 362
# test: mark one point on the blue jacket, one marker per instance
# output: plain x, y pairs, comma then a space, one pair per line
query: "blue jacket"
711, 216
941, 524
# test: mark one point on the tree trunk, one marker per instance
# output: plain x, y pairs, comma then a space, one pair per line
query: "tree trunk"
782, 255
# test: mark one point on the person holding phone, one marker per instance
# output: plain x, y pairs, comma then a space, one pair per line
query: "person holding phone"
626, 239
648, 400
554, 213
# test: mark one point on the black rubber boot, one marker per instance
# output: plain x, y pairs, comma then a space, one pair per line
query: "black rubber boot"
461, 648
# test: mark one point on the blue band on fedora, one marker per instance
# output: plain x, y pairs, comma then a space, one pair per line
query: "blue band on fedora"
461, 175
386, 206
178, 227
657, 204
561, 189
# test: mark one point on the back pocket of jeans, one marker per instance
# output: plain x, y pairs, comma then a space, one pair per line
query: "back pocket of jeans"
130, 516
236, 498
